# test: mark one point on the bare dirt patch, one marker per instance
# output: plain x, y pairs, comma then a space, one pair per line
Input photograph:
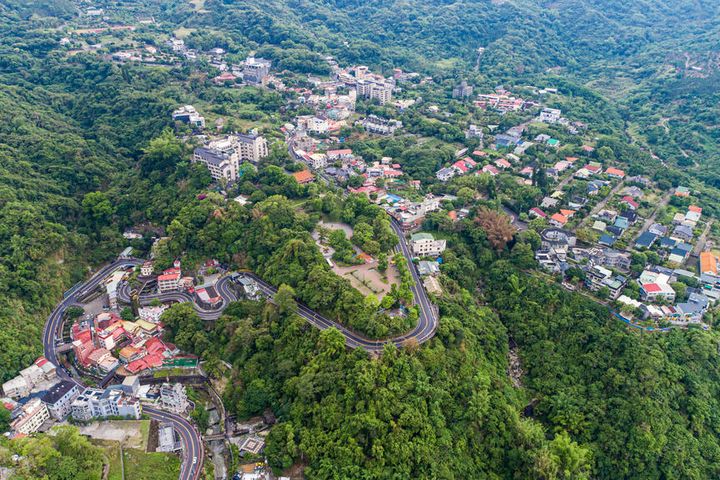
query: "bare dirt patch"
368, 279
132, 433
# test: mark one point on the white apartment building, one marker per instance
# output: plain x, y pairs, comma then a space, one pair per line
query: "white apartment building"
31, 418
40, 374
59, 399
224, 157
147, 269
151, 314
425, 245
95, 403
375, 90
168, 282
17, 387
173, 397
189, 115
251, 147
219, 165
550, 115
313, 124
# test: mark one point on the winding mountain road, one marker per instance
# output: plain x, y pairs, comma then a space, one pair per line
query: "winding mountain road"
423, 331
191, 441
193, 449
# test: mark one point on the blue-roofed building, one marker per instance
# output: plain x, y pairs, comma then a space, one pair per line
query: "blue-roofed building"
613, 230
622, 222
505, 140
645, 240
607, 240
678, 254
685, 247
667, 243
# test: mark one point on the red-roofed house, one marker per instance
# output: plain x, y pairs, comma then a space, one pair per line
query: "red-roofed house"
614, 172
82, 351
502, 163
490, 169
588, 149
224, 77
154, 346
628, 200
655, 291
460, 165
527, 172
592, 168
536, 212
695, 209
567, 213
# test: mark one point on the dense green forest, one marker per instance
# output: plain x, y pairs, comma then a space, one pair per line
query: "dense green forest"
87, 150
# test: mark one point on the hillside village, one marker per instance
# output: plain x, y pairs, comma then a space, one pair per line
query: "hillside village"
403, 193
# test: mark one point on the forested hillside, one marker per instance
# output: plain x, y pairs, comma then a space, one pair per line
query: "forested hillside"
87, 149
638, 54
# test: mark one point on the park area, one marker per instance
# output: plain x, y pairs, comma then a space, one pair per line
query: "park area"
365, 277
124, 444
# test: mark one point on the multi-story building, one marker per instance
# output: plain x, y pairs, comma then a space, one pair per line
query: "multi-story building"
313, 124
224, 157
17, 387
375, 90
173, 397
550, 115
425, 245
657, 290
380, 126
40, 374
33, 414
474, 131
597, 277
219, 164
96, 403
189, 115
256, 70
59, 399
169, 281
251, 147
463, 90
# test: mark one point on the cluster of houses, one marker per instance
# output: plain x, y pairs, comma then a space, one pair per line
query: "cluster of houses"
674, 243
410, 214
251, 71
658, 300
38, 398
503, 101
107, 343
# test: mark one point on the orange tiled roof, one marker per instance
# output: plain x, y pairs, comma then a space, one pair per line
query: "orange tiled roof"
303, 176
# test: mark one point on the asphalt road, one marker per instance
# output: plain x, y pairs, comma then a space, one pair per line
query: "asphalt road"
423, 331
193, 448
193, 454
